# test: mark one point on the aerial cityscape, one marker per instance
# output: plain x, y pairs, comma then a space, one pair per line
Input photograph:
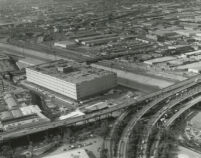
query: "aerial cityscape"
100, 78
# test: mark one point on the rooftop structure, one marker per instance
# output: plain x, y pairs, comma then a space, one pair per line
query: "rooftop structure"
195, 70
74, 80
159, 60
71, 115
17, 111
64, 44
28, 62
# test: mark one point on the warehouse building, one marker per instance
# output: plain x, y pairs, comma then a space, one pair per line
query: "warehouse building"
21, 121
196, 70
10, 101
64, 44
74, 80
159, 60
23, 116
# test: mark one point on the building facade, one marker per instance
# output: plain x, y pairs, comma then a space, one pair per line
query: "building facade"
76, 84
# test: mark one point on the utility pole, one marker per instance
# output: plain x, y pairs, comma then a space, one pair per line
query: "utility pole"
1, 76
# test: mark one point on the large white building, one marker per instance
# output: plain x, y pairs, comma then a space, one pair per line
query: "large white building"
74, 80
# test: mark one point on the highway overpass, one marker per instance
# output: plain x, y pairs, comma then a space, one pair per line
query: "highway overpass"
103, 113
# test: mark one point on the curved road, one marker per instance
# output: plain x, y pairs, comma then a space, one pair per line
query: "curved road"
151, 123
74, 121
184, 108
109, 142
124, 140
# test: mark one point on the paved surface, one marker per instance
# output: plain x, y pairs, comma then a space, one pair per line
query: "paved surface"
84, 119
15, 50
124, 139
93, 144
142, 79
185, 107
187, 153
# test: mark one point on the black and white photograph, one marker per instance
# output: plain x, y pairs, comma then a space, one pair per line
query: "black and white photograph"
100, 78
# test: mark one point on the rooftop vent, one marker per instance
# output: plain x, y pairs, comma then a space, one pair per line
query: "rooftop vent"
65, 69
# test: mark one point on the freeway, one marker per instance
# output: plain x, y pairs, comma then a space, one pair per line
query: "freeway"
74, 121
157, 116
171, 120
136, 117
156, 143
109, 142
124, 140
184, 108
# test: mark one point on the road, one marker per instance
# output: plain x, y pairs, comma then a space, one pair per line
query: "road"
124, 140
136, 117
160, 114
104, 113
184, 108
171, 120
131, 102
110, 141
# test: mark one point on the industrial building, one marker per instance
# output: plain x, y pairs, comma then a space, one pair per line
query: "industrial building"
159, 60
97, 39
71, 79
17, 122
64, 44
196, 70
10, 101
26, 62
17, 110
22, 116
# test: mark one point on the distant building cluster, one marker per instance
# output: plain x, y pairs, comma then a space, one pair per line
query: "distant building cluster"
189, 61
16, 110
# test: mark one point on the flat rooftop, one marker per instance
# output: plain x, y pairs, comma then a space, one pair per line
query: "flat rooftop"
80, 72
